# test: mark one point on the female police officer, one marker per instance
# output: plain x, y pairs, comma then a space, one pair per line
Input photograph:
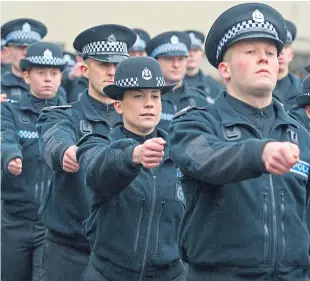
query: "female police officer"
137, 204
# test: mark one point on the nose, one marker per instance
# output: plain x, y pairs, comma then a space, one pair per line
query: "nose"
47, 77
111, 69
263, 57
148, 101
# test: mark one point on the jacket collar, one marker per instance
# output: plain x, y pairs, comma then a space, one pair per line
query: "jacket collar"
10, 80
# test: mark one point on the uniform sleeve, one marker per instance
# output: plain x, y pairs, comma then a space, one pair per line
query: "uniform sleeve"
109, 168
11, 147
56, 132
200, 154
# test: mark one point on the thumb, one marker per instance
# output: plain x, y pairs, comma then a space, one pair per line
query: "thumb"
18, 161
159, 141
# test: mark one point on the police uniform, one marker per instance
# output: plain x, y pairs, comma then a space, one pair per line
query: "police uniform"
22, 233
241, 223
174, 43
67, 202
4, 66
289, 87
142, 39
136, 212
206, 83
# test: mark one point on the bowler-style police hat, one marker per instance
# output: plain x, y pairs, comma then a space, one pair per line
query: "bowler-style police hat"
245, 21
304, 99
23, 32
137, 73
43, 54
168, 44
106, 43
70, 58
197, 39
142, 39
291, 32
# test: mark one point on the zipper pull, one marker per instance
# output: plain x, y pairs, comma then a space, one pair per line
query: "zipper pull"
282, 197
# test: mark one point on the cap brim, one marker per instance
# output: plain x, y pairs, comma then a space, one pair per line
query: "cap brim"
137, 49
108, 58
173, 54
116, 92
25, 64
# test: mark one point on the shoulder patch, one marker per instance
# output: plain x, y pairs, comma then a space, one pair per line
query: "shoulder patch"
50, 108
185, 110
89, 136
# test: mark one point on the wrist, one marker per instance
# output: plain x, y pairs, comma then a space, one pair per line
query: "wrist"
136, 155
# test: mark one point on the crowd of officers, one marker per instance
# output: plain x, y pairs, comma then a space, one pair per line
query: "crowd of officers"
127, 162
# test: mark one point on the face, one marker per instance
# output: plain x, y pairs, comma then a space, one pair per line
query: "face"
195, 58
44, 82
251, 66
99, 74
140, 110
137, 54
307, 109
285, 57
15, 54
174, 68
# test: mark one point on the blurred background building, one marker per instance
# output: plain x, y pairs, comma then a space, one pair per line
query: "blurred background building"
65, 19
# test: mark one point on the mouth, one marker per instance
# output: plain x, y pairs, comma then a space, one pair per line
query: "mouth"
148, 115
263, 71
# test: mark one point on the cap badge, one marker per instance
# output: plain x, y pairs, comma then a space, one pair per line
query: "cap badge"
47, 53
174, 40
192, 36
146, 74
26, 27
67, 57
112, 39
258, 16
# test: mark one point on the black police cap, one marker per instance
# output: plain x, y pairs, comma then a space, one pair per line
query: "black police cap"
291, 32
43, 54
70, 58
107, 43
171, 43
142, 39
137, 73
245, 21
197, 38
23, 32
304, 99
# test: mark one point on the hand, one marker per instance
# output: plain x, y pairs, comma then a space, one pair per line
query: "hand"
15, 167
3, 98
280, 157
69, 162
150, 153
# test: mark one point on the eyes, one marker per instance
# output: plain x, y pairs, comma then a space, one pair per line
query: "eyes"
253, 52
140, 96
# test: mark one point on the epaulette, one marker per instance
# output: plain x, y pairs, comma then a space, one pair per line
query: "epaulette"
88, 136
50, 108
185, 110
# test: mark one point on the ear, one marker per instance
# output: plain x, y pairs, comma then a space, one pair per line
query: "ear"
6, 51
118, 107
307, 108
85, 70
26, 75
224, 70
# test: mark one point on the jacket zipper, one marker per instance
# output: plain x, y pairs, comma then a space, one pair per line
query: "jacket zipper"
274, 224
157, 228
139, 224
283, 225
266, 228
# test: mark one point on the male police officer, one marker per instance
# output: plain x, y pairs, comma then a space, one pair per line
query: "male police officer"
245, 161
138, 49
137, 205
5, 64
171, 51
288, 86
194, 75
25, 174
67, 203
18, 34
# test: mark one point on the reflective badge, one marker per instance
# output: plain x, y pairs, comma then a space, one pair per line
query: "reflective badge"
48, 53
174, 40
26, 27
179, 196
258, 16
301, 168
111, 39
146, 74
179, 173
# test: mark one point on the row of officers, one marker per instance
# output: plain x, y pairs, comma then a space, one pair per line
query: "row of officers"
144, 177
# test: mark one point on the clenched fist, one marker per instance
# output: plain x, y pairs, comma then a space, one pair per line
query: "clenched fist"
3, 98
150, 153
69, 162
280, 157
15, 167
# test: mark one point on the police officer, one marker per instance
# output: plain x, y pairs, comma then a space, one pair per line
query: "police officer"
171, 51
288, 86
138, 49
301, 112
245, 161
67, 202
137, 204
25, 174
5, 65
194, 76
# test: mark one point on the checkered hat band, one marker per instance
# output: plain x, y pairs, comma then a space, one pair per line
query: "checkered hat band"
160, 81
168, 47
46, 60
128, 82
249, 25
23, 134
105, 47
23, 35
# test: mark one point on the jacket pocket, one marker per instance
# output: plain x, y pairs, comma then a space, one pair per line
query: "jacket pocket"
282, 226
266, 227
163, 203
142, 203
